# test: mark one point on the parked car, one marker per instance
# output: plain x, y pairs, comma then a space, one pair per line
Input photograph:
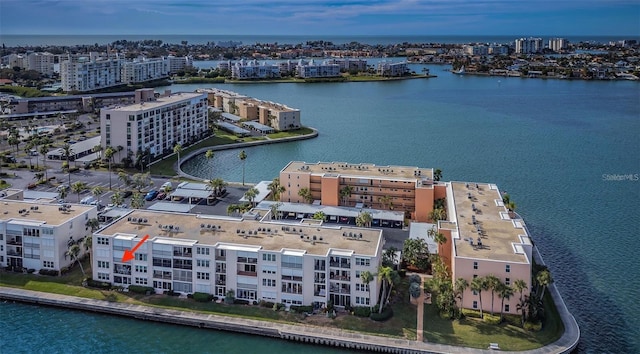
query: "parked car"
161, 196
151, 195
127, 194
167, 184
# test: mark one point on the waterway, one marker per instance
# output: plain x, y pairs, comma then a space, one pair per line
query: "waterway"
568, 153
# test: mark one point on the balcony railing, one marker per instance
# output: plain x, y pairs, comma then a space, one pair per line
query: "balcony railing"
340, 265
251, 274
341, 278
183, 254
14, 242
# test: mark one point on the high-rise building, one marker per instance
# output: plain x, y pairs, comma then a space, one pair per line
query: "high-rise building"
81, 74
528, 45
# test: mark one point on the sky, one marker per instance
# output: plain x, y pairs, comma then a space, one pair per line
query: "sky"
309, 17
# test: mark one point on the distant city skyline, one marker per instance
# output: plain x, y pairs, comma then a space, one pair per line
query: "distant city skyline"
316, 17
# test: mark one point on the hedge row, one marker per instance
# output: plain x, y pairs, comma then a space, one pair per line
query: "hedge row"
98, 284
51, 272
301, 309
386, 314
491, 319
471, 313
138, 289
202, 297
362, 311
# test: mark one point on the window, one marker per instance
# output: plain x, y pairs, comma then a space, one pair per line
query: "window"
475, 304
269, 257
363, 262
507, 268
202, 250
358, 274
103, 264
103, 276
362, 287
506, 307
475, 265
362, 300
202, 275
103, 240
269, 282
47, 264
141, 281
141, 257
203, 263
141, 269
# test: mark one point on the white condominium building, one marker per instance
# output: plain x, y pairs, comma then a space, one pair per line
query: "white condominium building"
141, 70
558, 44
386, 68
528, 45
41, 62
311, 69
296, 264
175, 64
84, 74
155, 124
243, 70
36, 235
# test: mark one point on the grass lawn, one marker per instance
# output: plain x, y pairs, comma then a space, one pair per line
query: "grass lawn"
474, 333
290, 133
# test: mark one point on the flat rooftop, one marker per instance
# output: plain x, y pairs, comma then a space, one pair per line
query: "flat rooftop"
49, 214
497, 232
159, 102
361, 170
192, 227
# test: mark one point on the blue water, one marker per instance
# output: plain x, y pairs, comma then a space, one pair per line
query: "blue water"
552, 144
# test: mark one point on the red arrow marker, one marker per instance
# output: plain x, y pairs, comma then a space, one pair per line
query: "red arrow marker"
128, 255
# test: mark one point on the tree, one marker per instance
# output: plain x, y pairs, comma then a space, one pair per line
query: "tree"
385, 200
116, 198
478, 285
242, 156
216, 185
504, 292
63, 192
78, 187
439, 237
345, 193
125, 178
493, 283
366, 277
519, 285
364, 219
209, 154
108, 154
459, 288
44, 150
97, 191
141, 181
276, 189
88, 240
416, 253
305, 194
389, 257
437, 174
251, 194
137, 200
92, 224
319, 215
67, 151
177, 149
386, 277
275, 214
73, 252
437, 214
543, 279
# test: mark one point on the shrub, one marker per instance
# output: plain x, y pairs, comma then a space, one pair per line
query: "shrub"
202, 297
138, 289
31, 270
98, 284
471, 313
386, 314
74, 169
301, 309
415, 278
492, 319
514, 320
240, 302
402, 273
49, 272
362, 311
267, 304
533, 326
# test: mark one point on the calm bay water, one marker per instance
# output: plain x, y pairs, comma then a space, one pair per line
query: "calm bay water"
554, 145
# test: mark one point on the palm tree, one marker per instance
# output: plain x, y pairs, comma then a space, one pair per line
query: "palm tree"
251, 194
177, 149
77, 188
345, 193
125, 178
108, 154
319, 215
364, 219
511, 206
73, 252
63, 192
242, 156
98, 148
478, 285
385, 200
384, 273
231, 208
137, 200
67, 151
504, 292
305, 194
97, 191
216, 185
543, 279
366, 277
493, 283
274, 210
209, 154
116, 198
276, 189
93, 224
437, 214
519, 285
44, 150
437, 174
88, 240
460, 286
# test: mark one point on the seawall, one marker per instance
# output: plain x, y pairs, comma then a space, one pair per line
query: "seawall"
301, 333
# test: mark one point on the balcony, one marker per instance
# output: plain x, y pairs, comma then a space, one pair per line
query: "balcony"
250, 274
15, 241
182, 254
341, 277
346, 265
13, 253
